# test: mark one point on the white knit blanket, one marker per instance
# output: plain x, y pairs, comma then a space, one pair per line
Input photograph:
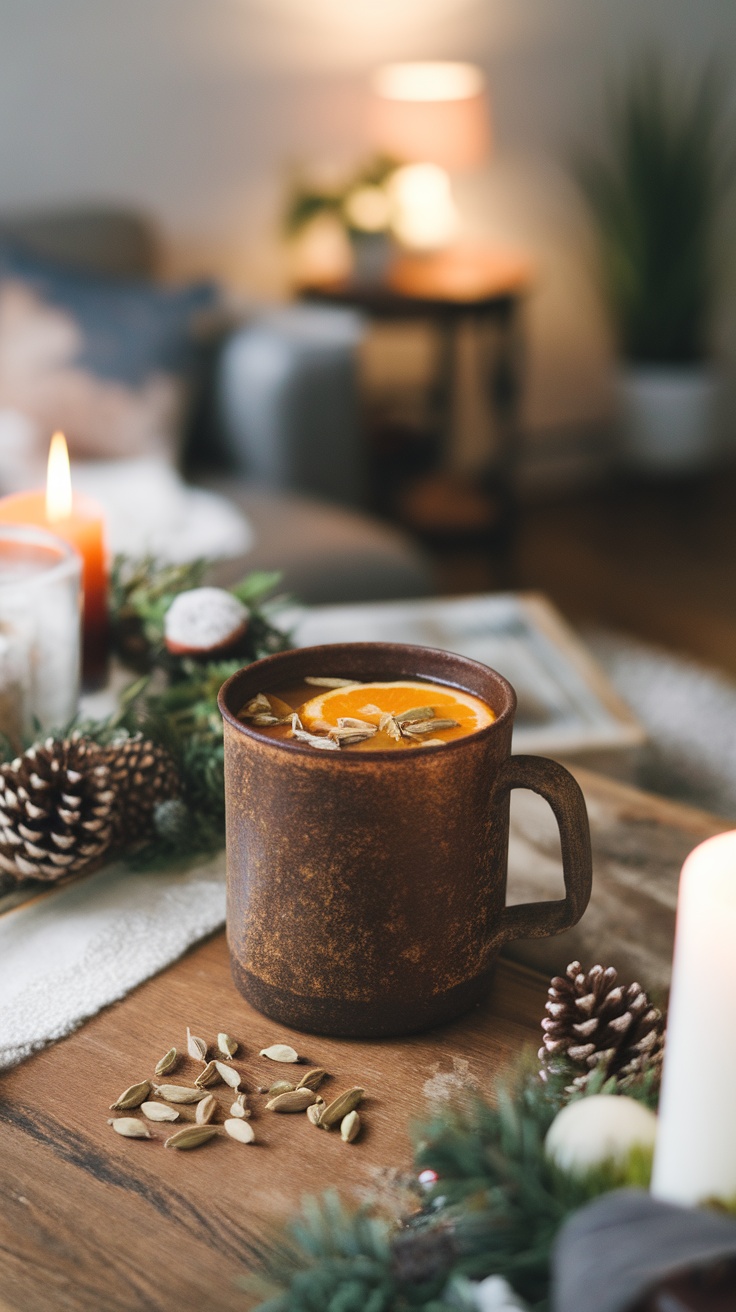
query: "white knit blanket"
72, 952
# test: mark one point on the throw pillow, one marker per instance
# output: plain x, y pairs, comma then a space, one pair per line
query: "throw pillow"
105, 360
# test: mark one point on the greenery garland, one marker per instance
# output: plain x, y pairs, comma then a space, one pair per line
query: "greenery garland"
492, 1204
174, 702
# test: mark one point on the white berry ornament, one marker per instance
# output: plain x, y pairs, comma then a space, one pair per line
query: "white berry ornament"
604, 1127
205, 622
494, 1294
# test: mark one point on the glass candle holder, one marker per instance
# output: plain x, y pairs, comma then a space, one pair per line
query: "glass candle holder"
40, 632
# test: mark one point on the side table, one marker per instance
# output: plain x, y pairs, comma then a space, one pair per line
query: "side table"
484, 287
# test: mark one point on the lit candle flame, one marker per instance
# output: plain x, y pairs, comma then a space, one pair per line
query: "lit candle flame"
58, 481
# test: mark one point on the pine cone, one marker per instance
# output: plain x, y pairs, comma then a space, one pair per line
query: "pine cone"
420, 1256
143, 775
56, 810
595, 1024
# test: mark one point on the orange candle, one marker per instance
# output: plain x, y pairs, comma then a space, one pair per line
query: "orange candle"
80, 522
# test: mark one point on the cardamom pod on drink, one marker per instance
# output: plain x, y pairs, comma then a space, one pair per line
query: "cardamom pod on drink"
130, 1127
280, 1052
240, 1130
133, 1097
197, 1048
179, 1093
205, 1110
340, 1106
158, 1111
320, 682
192, 1136
297, 1100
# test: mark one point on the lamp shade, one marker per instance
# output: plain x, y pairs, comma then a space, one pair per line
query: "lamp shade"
433, 113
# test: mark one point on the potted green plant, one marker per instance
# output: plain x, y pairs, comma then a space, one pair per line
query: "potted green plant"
360, 204
657, 195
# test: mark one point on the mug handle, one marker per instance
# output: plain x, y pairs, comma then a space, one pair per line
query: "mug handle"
558, 787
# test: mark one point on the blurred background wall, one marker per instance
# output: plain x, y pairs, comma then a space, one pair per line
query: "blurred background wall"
193, 109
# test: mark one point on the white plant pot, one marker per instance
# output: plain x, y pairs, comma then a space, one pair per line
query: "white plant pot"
372, 255
667, 416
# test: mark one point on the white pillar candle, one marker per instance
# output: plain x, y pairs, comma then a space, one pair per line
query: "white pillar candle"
40, 625
695, 1154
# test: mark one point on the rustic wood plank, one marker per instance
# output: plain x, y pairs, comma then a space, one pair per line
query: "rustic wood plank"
90, 1221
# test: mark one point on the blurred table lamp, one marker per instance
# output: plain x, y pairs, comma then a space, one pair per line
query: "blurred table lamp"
434, 116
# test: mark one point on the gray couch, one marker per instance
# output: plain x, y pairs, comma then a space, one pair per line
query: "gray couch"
274, 424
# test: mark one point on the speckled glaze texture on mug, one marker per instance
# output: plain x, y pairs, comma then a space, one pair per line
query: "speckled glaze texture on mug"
366, 890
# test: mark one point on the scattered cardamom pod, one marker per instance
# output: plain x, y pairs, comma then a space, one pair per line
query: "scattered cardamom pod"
167, 1062
350, 1127
312, 1079
192, 1136
418, 713
179, 1093
228, 1047
205, 1110
208, 1075
228, 1075
314, 1112
256, 706
296, 1101
240, 1130
158, 1111
197, 1048
329, 683
133, 1097
280, 1086
427, 726
340, 1106
280, 1052
129, 1126
390, 725
239, 1108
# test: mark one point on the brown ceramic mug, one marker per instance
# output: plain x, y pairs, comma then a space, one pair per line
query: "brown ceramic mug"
366, 890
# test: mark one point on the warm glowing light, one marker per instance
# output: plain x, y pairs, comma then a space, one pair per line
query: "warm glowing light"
58, 481
368, 209
428, 81
425, 217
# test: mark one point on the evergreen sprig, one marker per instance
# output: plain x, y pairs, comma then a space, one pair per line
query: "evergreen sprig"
505, 1198
495, 1209
174, 703
334, 1259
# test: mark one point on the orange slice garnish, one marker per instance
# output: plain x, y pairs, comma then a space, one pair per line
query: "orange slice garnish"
374, 702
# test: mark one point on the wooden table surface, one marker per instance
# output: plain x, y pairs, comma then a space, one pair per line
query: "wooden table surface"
90, 1222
